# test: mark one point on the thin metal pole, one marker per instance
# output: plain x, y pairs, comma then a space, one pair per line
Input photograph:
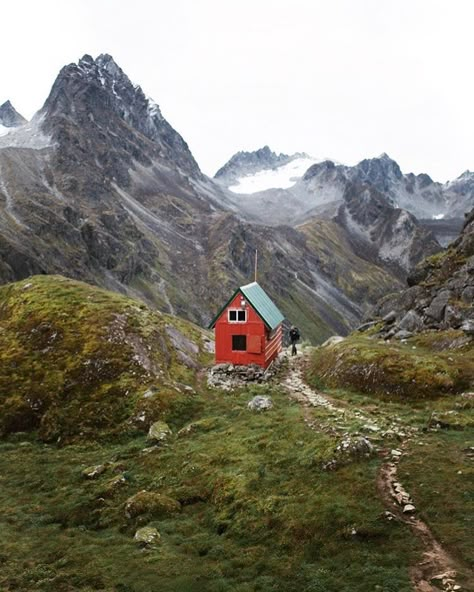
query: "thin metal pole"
256, 260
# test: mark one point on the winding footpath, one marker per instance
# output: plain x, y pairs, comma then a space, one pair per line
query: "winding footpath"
437, 570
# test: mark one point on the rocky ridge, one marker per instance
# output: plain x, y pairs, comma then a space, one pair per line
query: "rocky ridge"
440, 296
320, 192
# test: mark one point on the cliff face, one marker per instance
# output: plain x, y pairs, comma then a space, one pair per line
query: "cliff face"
441, 292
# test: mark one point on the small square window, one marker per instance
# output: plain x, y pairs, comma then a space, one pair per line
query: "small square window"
237, 315
239, 342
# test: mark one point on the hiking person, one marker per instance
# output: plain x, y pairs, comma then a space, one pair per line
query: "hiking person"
294, 337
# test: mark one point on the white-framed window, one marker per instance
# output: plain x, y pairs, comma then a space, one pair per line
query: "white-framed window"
237, 315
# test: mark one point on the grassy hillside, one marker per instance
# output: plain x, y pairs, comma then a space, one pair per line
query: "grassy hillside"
242, 501
255, 511
426, 366
75, 361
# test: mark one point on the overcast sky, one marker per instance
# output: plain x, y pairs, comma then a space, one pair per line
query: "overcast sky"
346, 79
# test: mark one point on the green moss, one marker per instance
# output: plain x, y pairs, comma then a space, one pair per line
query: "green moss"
441, 266
257, 512
75, 360
393, 369
153, 504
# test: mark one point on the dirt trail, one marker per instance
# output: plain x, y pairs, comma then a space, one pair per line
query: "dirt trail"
437, 570
437, 566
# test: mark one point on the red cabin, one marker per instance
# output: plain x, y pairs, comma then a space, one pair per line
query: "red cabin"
248, 328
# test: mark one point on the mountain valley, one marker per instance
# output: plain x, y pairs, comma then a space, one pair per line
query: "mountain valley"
98, 186
125, 466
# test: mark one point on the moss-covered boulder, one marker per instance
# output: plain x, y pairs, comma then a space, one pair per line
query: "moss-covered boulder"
159, 432
153, 504
147, 535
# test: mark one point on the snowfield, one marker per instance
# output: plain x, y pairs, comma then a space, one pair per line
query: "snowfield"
4, 130
281, 177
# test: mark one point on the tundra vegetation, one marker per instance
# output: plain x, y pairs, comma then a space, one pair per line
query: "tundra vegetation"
230, 499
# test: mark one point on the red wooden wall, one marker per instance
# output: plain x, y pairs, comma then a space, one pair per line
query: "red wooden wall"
262, 347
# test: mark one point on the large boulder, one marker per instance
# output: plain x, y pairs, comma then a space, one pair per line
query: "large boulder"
159, 432
411, 322
147, 535
435, 310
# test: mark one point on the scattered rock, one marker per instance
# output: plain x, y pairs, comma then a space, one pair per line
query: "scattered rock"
228, 376
209, 345
94, 471
396, 453
147, 535
402, 334
159, 432
150, 449
409, 509
260, 403
181, 342
447, 579
370, 428
391, 317
468, 327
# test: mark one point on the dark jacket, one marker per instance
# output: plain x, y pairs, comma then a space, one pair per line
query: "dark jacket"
294, 335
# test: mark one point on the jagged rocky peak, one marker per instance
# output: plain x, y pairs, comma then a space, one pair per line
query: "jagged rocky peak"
246, 163
9, 116
380, 171
97, 96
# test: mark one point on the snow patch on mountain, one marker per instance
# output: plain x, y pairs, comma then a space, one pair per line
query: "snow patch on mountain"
282, 177
4, 130
29, 135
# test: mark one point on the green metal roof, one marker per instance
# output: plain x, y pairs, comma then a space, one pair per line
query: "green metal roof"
260, 301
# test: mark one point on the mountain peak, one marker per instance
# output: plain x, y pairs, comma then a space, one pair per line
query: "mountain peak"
378, 170
9, 116
97, 96
244, 163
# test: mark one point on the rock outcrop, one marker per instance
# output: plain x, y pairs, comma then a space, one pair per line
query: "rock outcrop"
441, 292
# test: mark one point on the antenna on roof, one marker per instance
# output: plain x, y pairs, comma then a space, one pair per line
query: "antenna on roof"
256, 260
